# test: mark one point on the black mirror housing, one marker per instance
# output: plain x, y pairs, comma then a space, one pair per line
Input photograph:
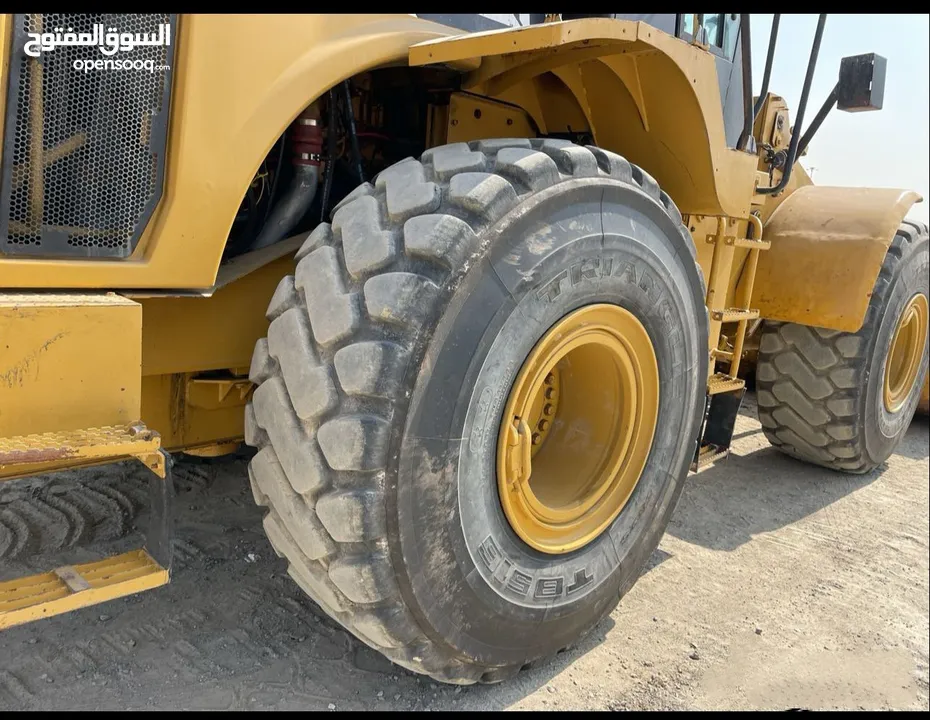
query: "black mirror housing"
862, 83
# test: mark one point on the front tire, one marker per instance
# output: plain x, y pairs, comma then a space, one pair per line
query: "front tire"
844, 400
383, 379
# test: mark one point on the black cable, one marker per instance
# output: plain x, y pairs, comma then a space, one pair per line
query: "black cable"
353, 138
274, 181
239, 240
802, 106
330, 157
769, 60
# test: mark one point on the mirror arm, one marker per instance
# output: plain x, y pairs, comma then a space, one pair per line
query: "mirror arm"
818, 119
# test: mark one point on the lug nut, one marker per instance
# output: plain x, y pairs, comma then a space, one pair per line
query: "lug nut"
550, 393
542, 425
548, 409
549, 379
537, 438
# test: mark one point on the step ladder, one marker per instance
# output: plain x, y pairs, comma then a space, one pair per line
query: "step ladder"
725, 390
71, 587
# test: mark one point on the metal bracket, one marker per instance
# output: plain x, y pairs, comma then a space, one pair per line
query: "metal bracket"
720, 413
161, 516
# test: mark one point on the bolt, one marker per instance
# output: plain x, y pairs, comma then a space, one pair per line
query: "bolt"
550, 393
537, 438
510, 121
543, 425
549, 379
548, 409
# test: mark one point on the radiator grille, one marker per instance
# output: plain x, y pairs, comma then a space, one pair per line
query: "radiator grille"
83, 151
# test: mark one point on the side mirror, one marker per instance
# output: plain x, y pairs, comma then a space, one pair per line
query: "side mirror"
861, 86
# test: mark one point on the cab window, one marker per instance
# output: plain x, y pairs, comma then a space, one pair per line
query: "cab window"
730, 35
720, 31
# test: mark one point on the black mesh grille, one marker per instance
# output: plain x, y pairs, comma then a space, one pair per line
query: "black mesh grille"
99, 136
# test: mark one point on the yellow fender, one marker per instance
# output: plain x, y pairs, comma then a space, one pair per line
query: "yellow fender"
642, 93
239, 81
828, 245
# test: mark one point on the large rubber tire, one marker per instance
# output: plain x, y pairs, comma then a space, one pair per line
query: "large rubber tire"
383, 377
820, 392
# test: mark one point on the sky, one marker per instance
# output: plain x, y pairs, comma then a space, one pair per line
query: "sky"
885, 148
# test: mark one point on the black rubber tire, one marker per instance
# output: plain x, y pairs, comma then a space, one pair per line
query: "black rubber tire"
819, 391
382, 379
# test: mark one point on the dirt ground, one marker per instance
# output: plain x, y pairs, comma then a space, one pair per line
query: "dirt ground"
777, 585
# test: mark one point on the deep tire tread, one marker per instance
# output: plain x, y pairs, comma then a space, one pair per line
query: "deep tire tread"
364, 287
810, 380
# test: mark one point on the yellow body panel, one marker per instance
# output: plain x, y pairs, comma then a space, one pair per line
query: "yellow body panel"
186, 335
5, 32
471, 116
77, 361
645, 94
229, 105
193, 333
828, 244
68, 362
190, 412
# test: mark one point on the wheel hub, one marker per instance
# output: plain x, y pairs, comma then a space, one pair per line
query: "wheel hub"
904, 353
577, 428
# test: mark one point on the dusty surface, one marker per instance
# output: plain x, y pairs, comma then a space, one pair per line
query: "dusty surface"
778, 585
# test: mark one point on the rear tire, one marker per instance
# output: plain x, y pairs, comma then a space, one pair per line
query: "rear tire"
821, 392
382, 381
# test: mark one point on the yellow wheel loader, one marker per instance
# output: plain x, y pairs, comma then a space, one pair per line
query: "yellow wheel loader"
479, 290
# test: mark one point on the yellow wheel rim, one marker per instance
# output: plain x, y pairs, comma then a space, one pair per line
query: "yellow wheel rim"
905, 352
577, 428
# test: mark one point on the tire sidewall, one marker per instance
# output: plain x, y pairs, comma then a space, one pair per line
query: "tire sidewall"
485, 592
882, 428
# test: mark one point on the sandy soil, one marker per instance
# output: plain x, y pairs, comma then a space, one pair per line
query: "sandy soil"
777, 585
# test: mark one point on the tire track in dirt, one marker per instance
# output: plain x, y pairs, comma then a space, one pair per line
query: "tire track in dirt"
778, 585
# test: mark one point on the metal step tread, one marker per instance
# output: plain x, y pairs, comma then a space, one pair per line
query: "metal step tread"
709, 454
751, 244
721, 383
732, 314
75, 586
92, 443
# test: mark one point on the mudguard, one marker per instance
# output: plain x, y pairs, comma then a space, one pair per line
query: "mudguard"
828, 245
